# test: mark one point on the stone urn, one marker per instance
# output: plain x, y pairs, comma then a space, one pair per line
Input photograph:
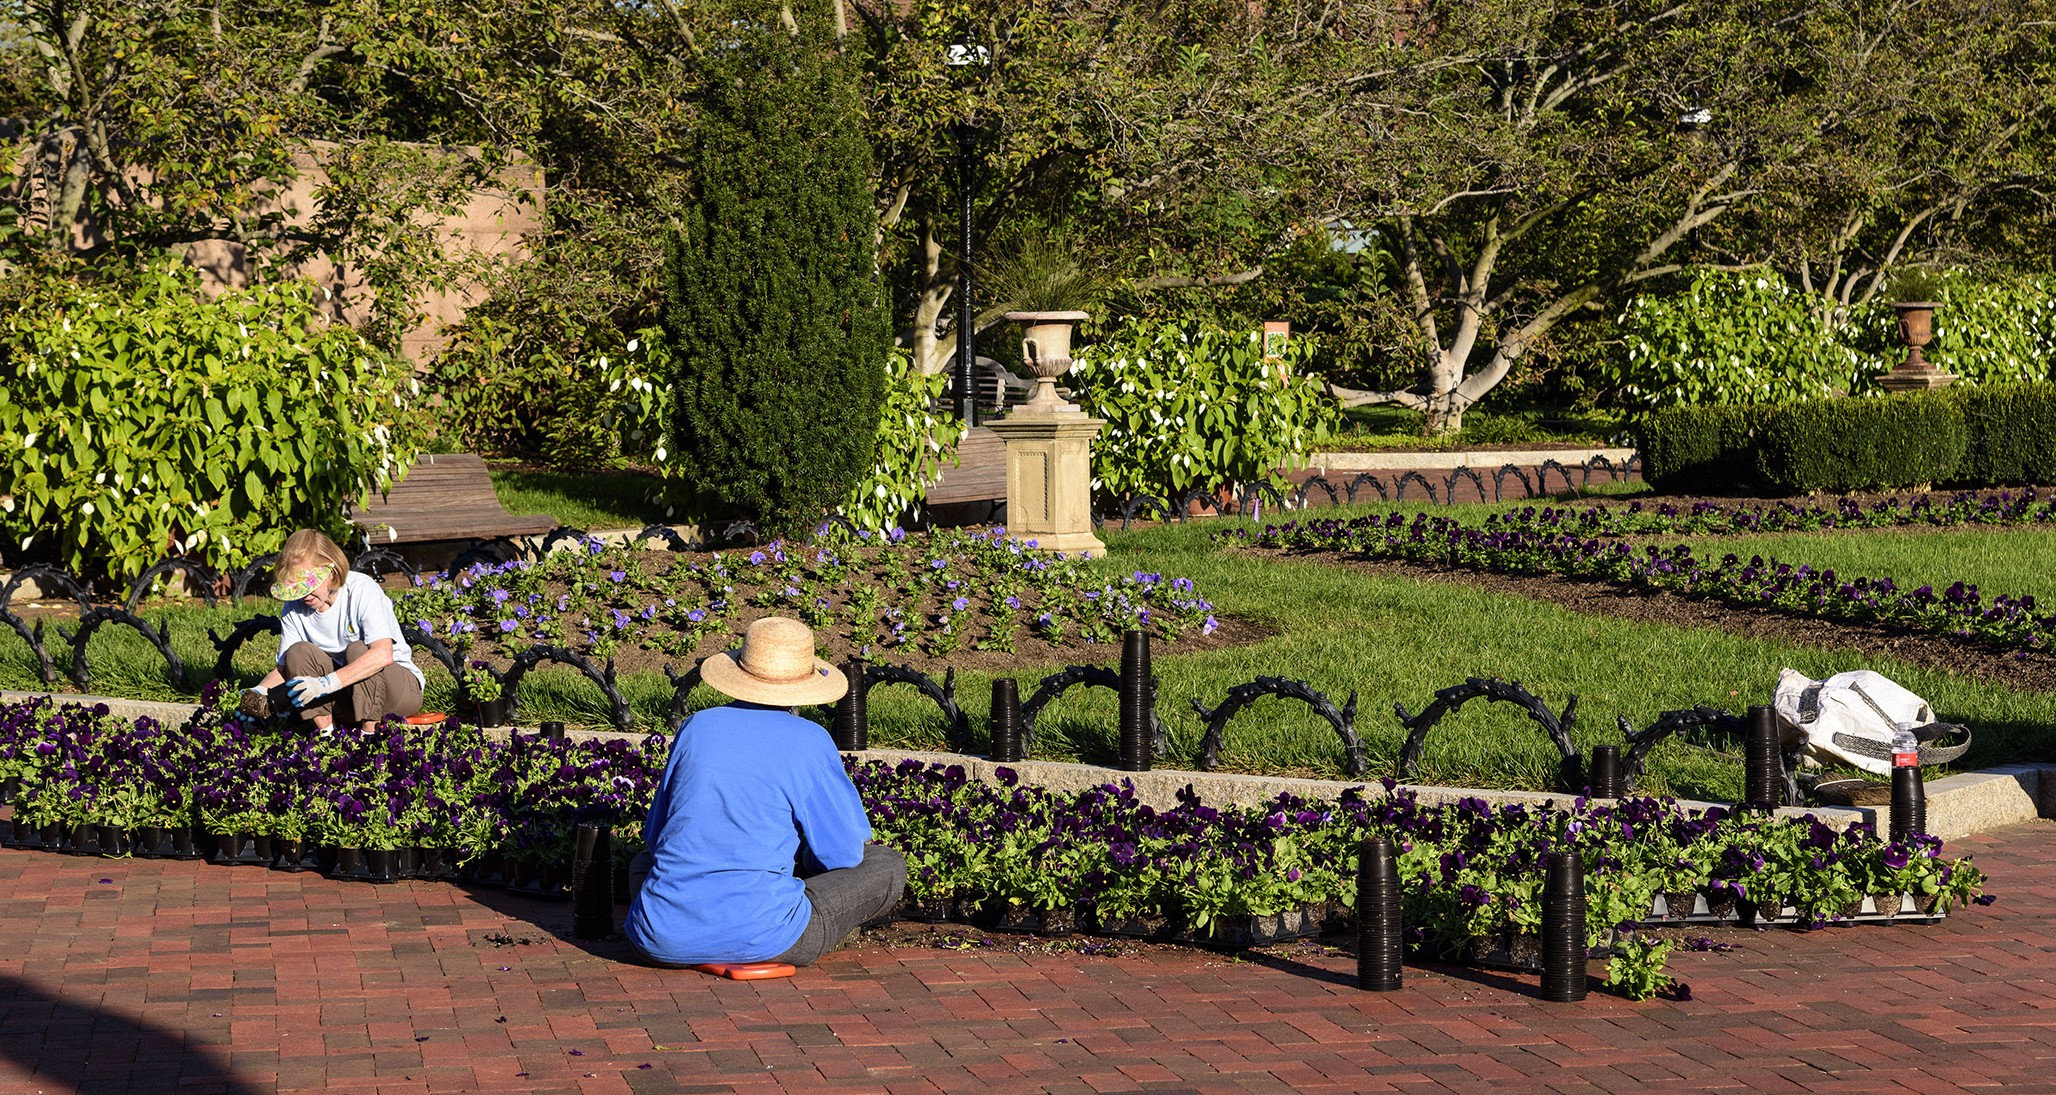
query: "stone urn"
1046, 349
1916, 329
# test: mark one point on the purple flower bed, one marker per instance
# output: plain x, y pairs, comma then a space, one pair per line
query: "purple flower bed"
926, 593
1536, 542
2005, 508
1472, 872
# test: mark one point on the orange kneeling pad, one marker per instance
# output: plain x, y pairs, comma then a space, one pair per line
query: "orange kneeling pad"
427, 718
747, 971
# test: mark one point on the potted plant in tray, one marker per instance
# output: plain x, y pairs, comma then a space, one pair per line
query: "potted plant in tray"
485, 693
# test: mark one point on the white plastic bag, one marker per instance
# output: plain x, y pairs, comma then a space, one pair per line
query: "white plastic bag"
1850, 718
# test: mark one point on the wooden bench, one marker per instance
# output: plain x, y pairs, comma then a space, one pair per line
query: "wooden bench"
447, 496
980, 475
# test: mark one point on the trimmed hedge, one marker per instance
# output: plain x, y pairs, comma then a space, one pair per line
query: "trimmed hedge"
1840, 445
2012, 434
1700, 449
1968, 437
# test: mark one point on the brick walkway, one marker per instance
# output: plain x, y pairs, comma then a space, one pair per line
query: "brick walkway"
120, 976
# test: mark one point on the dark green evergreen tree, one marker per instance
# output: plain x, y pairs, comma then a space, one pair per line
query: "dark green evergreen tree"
776, 320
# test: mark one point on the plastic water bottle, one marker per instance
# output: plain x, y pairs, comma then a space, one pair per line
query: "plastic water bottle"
1909, 797
1905, 748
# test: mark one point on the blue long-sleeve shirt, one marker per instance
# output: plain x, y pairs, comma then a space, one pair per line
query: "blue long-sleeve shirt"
747, 789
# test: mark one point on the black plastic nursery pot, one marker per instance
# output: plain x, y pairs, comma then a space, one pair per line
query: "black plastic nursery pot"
494, 712
437, 864
548, 881
242, 850
1006, 916
158, 842
296, 854
366, 865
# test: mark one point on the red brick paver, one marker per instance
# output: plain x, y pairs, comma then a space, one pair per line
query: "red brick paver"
141, 976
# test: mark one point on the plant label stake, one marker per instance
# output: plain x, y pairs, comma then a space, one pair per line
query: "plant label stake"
1606, 772
1380, 935
852, 726
1006, 720
1763, 772
1563, 929
1136, 702
1909, 794
592, 883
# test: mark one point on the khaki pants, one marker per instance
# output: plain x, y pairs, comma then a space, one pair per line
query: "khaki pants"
390, 691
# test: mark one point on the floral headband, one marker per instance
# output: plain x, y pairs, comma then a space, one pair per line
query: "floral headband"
310, 579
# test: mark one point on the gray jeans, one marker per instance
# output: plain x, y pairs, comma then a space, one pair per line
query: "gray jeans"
842, 900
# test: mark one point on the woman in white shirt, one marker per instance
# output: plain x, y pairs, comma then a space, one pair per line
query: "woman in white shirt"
340, 654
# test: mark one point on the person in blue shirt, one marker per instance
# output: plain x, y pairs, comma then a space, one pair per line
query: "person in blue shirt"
757, 846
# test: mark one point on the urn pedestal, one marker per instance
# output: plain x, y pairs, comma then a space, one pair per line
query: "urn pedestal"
1049, 477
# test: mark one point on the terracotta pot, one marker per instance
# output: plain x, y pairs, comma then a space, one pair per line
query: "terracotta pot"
1916, 329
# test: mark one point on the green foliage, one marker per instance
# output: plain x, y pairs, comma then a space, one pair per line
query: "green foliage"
1862, 444
775, 320
1636, 971
1750, 337
149, 421
1688, 449
2012, 434
1191, 407
913, 445
1730, 337
1990, 329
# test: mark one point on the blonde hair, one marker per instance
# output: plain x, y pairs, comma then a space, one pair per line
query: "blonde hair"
312, 547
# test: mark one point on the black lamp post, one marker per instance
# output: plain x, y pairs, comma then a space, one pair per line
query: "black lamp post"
967, 320
964, 55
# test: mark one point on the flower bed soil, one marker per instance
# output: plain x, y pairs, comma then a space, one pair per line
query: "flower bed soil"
950, 600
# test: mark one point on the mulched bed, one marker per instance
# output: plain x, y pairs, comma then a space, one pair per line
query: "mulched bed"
2029, 671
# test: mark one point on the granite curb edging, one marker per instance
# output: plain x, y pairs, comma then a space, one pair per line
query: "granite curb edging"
1957, 806
1409, 460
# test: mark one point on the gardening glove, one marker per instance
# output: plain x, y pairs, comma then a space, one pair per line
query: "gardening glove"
306, 690
255, 703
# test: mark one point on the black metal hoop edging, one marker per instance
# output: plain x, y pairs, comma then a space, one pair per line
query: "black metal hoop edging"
227, 646
1455, 696
1091, 676
1449, 485
1240, 696
944, 695
81, 672
194, 570
510, 681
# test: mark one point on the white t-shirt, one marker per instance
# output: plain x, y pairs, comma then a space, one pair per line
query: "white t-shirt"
362, 613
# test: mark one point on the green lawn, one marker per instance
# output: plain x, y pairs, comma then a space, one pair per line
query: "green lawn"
1390, 639
583, 500
1998, 561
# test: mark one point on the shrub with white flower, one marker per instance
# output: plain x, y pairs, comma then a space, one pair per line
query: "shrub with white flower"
1190, 407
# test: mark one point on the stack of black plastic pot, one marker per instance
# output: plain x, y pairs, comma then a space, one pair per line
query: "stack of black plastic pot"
1006, 720
1564, 952
1380, 934
852, 724
1605, 780
1137, 702
592, 883
1763, 769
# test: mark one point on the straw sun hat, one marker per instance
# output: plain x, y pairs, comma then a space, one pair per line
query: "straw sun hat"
775, 665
